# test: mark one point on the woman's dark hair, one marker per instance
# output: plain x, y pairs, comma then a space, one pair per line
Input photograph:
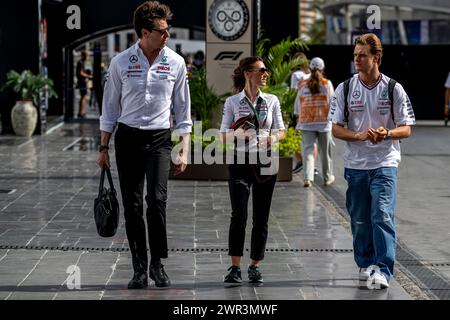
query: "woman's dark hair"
147, 12
245, 64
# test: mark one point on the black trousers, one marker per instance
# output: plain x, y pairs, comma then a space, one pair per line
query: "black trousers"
244, 177
144, 154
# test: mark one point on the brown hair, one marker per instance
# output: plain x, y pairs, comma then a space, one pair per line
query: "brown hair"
315, 81
147, 12
373, 41
300, 55
238, 75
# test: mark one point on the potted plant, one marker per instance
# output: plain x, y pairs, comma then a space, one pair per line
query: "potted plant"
205, 102
280, 63
24, 113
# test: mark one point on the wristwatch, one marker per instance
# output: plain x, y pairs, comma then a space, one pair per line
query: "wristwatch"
103, 147
388, 135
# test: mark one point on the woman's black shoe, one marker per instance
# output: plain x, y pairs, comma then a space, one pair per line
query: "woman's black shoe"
298, 167
139, 281
254, 275
158, 275
234, 276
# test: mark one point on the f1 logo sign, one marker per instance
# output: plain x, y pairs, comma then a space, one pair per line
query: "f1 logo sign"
232, 55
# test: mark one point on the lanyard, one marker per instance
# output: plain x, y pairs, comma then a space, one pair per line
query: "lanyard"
257, 111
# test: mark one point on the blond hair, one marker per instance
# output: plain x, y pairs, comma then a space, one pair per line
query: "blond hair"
373, 42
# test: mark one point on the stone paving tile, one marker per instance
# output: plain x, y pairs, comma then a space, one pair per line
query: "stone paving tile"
53, 206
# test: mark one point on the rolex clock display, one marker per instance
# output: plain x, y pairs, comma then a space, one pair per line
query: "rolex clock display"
228, 19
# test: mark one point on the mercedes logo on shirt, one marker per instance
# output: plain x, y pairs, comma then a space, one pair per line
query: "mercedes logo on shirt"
134, 58
356, 94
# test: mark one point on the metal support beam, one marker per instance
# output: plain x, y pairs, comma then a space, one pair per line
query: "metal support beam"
401, 27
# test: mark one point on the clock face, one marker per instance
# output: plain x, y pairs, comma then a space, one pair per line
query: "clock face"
228, 19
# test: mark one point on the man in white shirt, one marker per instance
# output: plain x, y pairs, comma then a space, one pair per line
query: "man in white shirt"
374, 126
143, 83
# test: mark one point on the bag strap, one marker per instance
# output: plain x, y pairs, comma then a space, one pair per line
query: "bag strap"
346, 90
110, 179
102, 180
391, 87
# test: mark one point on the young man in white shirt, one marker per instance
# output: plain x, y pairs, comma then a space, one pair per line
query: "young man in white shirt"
143, 83
374, 127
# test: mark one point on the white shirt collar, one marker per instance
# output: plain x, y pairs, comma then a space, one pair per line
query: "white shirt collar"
138, 50
242, 95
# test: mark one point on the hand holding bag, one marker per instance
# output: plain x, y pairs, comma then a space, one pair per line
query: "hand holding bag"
245, 123
106, 207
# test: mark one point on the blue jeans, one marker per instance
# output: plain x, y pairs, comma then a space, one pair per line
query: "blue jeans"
371, 201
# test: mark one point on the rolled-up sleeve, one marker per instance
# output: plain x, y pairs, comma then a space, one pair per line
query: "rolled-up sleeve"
181, 102
227, 116
111, 107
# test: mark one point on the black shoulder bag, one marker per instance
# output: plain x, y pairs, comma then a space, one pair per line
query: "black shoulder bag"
106, 207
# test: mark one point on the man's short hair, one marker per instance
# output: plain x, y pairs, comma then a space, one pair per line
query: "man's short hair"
146, 13
373, 42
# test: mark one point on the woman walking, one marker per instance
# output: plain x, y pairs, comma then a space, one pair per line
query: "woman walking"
263, 127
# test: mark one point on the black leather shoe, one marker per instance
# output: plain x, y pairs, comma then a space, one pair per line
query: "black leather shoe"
158, 275
139, 281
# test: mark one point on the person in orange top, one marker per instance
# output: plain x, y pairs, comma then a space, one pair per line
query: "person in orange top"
311, 105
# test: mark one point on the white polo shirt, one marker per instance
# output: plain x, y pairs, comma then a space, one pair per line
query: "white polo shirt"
371, 108
141, 96
297, 77
238, 106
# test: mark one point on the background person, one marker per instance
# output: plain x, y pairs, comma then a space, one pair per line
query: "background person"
82, 79
296, 78
311, 105
249, 76
303, 73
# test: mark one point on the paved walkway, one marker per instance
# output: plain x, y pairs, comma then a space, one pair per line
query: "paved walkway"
46, 226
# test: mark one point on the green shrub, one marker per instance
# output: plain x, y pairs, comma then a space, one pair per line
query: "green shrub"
291, 144
28, 85
204, 100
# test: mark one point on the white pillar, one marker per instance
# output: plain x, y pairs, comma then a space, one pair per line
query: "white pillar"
424, 32
401, 27
123, 40
348, 21
110, 42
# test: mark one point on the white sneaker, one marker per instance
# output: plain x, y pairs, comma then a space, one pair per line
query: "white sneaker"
307, 183
377, 281
329, 181
364, 273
